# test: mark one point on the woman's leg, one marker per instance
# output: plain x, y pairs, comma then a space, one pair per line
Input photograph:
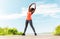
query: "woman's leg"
26, 24
32, 27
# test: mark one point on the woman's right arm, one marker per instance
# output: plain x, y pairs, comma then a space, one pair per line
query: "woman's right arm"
31, 5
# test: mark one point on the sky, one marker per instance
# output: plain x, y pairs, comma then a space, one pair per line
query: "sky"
45, 19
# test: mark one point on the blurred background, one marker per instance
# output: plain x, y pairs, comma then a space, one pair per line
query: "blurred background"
45, 19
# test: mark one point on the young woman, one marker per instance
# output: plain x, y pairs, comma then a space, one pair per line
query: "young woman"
29, 19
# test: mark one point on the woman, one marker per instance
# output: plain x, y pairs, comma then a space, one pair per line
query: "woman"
29, 19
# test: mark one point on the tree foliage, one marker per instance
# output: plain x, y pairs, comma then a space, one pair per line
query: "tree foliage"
57, 30
9, 31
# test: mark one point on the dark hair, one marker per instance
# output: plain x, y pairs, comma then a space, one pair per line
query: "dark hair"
32, 9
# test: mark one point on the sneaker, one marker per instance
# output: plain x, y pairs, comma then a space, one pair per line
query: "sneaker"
35, 34
23, 34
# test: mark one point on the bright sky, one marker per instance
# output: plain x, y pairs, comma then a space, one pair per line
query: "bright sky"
45, 18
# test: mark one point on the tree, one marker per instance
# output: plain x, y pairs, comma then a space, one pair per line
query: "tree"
57, 30
9, 31
13, 31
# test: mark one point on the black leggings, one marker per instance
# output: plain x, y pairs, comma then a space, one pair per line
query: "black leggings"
29, 21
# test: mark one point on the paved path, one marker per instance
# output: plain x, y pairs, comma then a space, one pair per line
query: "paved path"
30, 37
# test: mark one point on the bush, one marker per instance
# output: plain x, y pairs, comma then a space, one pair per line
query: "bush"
57, 30
9, 31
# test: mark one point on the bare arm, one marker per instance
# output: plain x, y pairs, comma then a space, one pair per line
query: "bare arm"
35, 6
31, 5
34, 10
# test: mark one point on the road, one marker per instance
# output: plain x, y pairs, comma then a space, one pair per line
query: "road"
30, 37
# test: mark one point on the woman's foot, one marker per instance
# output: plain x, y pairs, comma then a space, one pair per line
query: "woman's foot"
23, 34
35, 34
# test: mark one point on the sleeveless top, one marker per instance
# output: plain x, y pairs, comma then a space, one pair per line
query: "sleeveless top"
29, 16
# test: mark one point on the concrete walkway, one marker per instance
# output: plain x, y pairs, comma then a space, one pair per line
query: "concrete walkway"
30, 37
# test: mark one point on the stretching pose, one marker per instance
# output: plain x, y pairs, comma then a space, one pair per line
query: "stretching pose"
29, 19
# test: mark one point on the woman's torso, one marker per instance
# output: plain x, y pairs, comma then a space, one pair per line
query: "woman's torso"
29, 16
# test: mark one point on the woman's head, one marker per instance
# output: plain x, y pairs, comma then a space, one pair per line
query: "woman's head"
32, 9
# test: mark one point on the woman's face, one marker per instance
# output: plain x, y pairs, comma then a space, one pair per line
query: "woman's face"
32, 9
